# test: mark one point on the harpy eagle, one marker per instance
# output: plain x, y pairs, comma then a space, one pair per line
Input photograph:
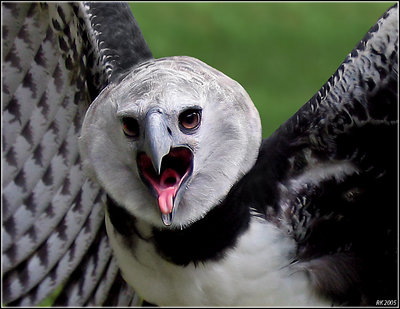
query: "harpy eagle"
200, 210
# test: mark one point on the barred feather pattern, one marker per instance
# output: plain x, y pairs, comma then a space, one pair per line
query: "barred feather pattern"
53, 216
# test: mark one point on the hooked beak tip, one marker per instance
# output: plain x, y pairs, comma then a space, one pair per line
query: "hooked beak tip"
167, 218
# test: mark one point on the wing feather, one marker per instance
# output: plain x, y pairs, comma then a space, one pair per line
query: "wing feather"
120, 47
89, 272
362, 94
20, 50
333, 172
53, 216
100, 272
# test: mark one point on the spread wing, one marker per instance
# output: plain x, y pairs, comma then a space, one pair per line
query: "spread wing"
56, 59
333, 168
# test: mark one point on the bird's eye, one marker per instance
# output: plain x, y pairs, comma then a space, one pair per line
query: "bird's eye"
190, 119
130, 127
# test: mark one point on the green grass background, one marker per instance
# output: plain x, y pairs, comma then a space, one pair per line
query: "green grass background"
281, 53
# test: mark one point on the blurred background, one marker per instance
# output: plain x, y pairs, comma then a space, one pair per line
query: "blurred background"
281, 53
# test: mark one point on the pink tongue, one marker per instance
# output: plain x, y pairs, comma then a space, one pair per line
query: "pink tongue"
169, 184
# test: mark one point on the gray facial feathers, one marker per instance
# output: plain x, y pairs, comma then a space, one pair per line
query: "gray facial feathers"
225, 145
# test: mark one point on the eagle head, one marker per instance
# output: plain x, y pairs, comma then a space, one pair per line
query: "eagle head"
170, 139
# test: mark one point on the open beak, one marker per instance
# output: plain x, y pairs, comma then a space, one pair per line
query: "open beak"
168, 185
163, 168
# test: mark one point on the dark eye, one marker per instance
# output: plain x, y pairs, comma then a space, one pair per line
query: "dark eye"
190, 119
130, 127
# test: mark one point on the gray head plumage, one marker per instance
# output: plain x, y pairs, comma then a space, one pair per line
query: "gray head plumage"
223, 148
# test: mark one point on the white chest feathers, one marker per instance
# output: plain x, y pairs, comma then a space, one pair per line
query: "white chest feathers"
255, 272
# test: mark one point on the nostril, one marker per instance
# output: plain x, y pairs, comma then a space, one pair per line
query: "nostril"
169, 131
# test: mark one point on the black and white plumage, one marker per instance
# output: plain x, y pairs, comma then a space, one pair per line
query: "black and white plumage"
307, 216
55, 62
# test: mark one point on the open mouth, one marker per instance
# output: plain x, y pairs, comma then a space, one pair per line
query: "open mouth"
176, 168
